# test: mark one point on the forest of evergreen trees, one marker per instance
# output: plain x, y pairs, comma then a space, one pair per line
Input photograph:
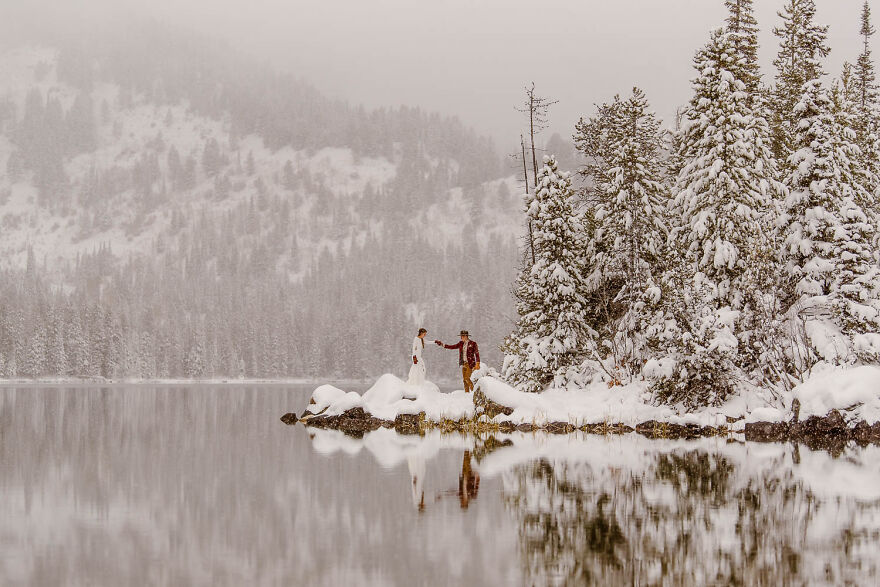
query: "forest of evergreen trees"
259, 271
741, 248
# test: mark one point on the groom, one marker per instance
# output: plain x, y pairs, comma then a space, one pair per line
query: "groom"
468, 358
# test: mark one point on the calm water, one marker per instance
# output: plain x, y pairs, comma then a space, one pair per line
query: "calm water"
203, 485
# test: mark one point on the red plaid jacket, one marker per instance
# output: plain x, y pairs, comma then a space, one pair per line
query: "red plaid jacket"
472, 354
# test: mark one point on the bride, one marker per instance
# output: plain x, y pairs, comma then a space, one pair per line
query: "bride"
418, 371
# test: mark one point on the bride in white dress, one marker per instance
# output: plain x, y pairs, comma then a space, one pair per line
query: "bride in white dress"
418, 371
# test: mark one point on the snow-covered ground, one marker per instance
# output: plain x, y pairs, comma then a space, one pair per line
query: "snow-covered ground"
855, 391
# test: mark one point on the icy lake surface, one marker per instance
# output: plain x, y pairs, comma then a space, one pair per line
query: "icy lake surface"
203, 485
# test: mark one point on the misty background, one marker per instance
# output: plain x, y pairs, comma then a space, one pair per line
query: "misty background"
208, 189
469, 58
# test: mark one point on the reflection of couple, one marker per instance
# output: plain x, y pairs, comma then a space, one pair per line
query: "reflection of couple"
468, 358
468, 481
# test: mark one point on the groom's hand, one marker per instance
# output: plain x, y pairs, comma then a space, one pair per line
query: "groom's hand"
477, 368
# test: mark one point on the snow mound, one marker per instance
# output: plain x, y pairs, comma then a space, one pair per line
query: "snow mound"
390, 396
596, 404
855, 391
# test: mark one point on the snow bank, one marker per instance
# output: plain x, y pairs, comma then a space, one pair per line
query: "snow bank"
390, 397
854, 391
596, 404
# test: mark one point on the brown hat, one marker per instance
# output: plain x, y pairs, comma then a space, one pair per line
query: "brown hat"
464, 333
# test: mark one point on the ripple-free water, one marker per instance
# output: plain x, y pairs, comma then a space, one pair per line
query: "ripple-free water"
203, 485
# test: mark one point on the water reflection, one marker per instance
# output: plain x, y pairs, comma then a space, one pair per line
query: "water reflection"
628, 510
203, 485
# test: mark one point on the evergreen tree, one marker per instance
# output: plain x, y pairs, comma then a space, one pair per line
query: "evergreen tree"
827, 249
545, 346
864, 76
743, 26
866, 108
722, 219
626, 227
802, 45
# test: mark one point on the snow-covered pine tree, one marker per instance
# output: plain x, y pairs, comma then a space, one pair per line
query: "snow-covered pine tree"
545, 347
801, 46
743, 25
721, 216
867, 109
627, 226
865, 78
829, 233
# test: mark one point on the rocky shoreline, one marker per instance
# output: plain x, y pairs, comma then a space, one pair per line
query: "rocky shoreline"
820, 432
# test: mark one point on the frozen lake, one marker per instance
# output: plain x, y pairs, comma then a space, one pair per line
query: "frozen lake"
203, 485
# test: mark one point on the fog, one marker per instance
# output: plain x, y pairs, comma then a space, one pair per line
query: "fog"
465, 57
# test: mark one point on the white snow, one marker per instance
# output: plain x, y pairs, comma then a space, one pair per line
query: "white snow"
853, 390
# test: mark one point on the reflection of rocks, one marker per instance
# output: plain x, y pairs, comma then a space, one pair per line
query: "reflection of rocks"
483, 448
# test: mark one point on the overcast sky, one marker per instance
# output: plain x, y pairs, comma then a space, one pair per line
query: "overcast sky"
473, 57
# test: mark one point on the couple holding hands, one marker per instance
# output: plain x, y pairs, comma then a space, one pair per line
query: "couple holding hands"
468, 358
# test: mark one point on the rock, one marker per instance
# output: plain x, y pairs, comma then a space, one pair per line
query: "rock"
486, 406
865, 433
831, 425
647, 428
506, 426
766, 431
408, 423
289, 418
559, 427
525, 427
355, 414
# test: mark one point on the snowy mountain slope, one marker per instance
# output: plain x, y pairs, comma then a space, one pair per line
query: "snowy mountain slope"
160, 212
125, 135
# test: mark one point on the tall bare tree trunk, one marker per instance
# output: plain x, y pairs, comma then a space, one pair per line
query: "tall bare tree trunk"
526, 179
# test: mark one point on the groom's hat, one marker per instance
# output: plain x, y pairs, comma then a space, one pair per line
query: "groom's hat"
464, 333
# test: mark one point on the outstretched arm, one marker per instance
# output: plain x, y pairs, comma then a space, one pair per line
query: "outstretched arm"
452, 346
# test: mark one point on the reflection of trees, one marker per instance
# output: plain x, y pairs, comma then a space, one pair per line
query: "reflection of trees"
566, 532
686, 517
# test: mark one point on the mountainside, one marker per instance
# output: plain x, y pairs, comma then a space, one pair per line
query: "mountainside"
184, 212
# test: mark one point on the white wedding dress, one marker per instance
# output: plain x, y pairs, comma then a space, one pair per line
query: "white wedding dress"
418, 372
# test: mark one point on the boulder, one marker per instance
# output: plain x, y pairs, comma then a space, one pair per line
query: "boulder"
831, 425
766, 431
506, 426
289, 418
355, 414
864, 432
486, 406
559, 427
408, 423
